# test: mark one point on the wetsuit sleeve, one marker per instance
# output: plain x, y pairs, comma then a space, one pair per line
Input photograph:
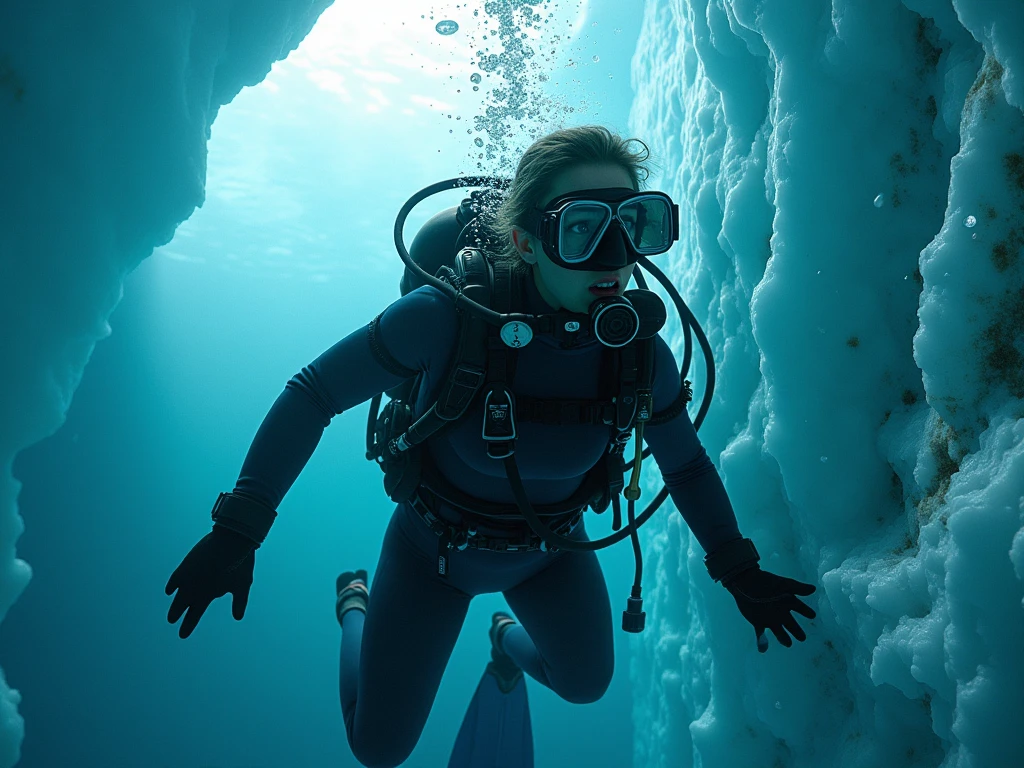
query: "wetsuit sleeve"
690, 476
413, 334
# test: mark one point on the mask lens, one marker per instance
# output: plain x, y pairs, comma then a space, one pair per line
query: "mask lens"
582, 225
648, 224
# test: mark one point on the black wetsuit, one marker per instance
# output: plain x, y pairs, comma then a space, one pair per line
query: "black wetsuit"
564, 640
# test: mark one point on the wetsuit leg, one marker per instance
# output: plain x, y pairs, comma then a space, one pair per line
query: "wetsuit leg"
564, 640
392, 659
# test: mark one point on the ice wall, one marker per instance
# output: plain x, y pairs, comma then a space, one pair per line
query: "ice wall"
105, 111
851, 177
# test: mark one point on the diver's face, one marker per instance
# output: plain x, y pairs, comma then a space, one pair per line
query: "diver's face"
570, 288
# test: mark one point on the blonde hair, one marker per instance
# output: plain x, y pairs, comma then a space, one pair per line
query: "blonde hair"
545, 159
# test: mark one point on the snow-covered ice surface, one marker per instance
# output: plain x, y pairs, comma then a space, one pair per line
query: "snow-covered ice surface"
851, 177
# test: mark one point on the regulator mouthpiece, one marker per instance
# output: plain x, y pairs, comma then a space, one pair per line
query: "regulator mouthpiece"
614, 320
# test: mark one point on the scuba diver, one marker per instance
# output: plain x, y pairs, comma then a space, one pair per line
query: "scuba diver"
518, 368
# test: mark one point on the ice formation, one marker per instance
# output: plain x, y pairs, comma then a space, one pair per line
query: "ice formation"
105, 111
853, 186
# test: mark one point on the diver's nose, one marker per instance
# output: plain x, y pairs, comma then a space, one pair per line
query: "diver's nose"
612, 253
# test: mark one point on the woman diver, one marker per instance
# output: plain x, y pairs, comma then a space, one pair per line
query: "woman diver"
569, 231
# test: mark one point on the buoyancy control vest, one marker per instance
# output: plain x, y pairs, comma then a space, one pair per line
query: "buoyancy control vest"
483, 368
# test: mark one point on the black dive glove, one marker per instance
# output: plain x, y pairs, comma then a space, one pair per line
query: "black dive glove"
764, 599
221, 562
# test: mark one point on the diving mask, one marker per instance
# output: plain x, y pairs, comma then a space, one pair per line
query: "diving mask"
572, 227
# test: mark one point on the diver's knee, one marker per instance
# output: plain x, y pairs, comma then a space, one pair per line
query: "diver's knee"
585, 694
382, 751
589, 688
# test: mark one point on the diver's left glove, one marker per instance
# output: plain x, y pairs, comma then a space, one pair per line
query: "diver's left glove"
221, 562
764, 599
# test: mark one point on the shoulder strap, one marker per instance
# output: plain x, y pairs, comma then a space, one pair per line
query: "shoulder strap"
466, 373
501, 358
499, 407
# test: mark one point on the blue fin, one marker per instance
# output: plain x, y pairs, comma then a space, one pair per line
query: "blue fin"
496, 731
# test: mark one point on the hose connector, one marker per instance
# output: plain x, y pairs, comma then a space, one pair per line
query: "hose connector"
634, 617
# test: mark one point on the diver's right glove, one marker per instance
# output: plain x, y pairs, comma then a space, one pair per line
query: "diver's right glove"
221, 562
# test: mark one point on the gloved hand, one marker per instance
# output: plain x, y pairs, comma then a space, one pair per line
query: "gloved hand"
221, 562
765, 600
